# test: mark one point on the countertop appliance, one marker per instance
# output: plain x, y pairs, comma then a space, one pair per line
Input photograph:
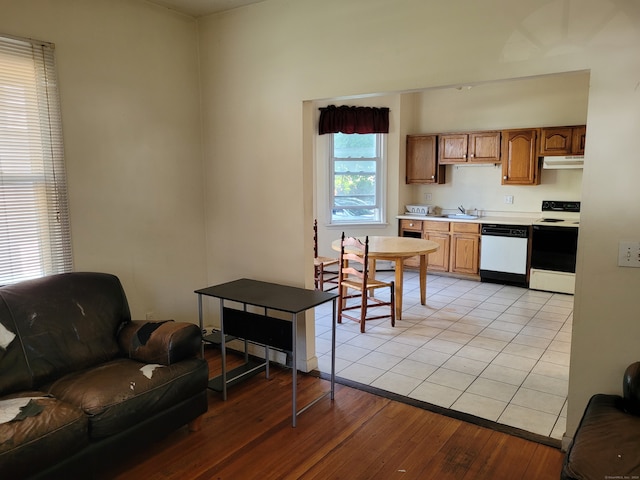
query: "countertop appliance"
503, 254
554, 243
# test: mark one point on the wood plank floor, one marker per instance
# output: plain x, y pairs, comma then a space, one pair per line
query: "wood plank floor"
358, 436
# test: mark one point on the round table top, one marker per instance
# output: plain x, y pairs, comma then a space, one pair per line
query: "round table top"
395, 246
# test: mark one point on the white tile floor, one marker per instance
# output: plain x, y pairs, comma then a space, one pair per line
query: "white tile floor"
493, 351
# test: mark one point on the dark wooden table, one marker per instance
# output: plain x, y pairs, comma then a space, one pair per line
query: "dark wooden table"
262, 329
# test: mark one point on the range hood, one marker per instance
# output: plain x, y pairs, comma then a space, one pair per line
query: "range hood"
569, 161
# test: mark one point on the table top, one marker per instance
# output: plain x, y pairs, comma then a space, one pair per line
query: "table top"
395, 246
268, 295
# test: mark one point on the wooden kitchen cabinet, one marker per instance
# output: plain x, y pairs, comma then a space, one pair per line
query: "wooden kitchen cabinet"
459, 251
422, 160
475, 147
562, 140
520, 164
438, 232
438, 261
465, 248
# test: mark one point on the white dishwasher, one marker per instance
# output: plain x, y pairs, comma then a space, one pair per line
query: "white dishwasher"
503, 254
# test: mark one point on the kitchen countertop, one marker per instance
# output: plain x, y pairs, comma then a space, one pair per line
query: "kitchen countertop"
524, 219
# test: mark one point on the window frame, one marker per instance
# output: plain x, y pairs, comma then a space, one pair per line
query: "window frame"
380, 183
35, 232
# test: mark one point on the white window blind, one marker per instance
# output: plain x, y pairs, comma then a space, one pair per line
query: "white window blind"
35, 235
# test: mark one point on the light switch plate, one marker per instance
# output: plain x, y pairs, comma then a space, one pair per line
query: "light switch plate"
629, 253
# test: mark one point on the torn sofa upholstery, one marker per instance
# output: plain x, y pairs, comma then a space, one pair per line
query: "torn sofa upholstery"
81, 383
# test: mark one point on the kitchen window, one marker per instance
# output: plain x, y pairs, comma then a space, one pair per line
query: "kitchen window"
35, 235
357, 167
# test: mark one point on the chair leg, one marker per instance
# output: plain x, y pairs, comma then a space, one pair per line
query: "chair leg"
363, 311
393, 304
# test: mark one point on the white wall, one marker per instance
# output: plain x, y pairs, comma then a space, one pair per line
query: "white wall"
261, 62
129, 89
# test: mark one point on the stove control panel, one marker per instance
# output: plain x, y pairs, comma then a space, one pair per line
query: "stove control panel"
560, 206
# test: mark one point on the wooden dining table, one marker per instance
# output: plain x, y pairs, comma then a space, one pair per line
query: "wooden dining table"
397, 249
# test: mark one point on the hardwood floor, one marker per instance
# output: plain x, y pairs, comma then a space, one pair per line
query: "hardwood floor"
358, 436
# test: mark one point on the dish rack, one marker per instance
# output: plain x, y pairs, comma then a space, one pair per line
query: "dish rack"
419, 209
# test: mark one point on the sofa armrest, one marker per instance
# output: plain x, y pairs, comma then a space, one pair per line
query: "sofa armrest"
631, 388
165, 342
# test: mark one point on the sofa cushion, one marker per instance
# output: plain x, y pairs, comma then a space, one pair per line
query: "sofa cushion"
45, 432
606, 442
62, 323
123, 392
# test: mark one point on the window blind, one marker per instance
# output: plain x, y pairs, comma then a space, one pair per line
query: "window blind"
35, 237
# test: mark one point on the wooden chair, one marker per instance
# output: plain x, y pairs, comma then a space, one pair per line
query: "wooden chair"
320, 264
354, 252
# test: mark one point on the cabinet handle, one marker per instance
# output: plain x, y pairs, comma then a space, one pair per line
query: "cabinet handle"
411, 224
504, 178
433, 177
464, 155
472, 155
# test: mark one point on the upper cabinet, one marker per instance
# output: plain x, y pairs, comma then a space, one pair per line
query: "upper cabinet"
476, 147
562, 140
520, 165
422, 160
517, 150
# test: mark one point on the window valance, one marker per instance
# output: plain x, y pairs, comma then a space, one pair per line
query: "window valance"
345, 119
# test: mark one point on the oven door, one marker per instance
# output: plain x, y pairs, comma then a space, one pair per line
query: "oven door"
554, 248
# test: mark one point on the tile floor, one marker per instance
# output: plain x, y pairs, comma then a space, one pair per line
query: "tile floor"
497, 352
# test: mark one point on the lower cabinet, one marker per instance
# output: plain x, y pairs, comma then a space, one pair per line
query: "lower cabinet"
438, 232
465, 248
459, 251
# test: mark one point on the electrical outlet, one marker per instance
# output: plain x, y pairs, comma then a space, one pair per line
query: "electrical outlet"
427, 197
629, 253
508, 199
149, 316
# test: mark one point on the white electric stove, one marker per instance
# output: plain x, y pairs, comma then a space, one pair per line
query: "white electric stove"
554, 244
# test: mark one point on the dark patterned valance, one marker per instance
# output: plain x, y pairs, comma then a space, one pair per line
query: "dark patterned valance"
345, 119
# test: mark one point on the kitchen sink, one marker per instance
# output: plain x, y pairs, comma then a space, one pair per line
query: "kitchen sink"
462, 216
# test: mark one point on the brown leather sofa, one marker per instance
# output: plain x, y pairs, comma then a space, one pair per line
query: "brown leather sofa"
606, 444
81, 383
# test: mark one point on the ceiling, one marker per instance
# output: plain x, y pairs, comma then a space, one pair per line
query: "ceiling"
198, 8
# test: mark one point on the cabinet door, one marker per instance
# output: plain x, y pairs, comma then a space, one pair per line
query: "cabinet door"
422, 165
484, 147
578, 140
438, 261
556, 141
520, 164
465, 253
453, 148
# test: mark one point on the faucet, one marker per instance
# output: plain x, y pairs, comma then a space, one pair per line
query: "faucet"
461, 208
